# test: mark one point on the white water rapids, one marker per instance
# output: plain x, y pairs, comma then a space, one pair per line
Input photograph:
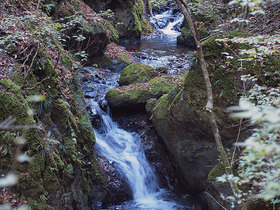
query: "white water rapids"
125, 149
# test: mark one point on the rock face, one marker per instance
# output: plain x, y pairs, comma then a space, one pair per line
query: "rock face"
130, 21
186, 38
181, 121
89, 33
63, 172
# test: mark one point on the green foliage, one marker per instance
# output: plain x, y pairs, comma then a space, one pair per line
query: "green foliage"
260, 161
108, 14
204, 9
158, 3
38, 27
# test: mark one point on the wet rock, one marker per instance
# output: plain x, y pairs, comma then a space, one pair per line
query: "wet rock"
136, 73
188, 41
151, 103
182, 122
138, 94
130, 20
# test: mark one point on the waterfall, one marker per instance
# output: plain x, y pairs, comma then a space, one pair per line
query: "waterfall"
126, 151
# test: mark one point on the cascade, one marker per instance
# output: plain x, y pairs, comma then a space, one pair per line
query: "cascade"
125, 150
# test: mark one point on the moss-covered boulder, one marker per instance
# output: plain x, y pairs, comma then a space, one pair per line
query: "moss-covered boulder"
90, 33
116, 58
186, 38
136, 73
130, 20
138, 94
181, 119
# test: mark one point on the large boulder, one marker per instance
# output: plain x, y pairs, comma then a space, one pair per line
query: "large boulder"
130, 20
137, 94
136, 73
88, 32
181, 119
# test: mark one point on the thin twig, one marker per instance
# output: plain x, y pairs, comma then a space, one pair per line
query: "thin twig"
27, 73
27, 57
38, 5
235, 145
215, 200
38, 83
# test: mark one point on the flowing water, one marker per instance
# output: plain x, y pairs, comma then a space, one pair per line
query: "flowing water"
125, 149
160, 48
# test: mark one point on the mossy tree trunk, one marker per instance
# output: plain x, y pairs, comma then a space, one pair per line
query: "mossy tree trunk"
183, 5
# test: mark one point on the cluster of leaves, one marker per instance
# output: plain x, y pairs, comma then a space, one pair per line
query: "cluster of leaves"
158, 3
38, 29
258, 172
31, 26
257, 50
206, 9
259, 165
11, 178
108, 14
261, 46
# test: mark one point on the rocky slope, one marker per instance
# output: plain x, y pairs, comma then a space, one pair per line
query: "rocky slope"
41, 48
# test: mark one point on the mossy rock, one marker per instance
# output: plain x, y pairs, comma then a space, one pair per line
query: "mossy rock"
182, 121
138, 94
217, 171
162, 69
140, 22
136, 73
111, 32
151, 103
266, 72
212, 49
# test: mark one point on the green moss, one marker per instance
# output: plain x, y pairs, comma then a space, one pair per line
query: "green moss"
151, 103
30, 82
87, 136
11, 87
214, 49
12, 103
58, 160
139, 93
140, 22
65, 58
8, 149
37, 166
217, 171
136, 73
48, 67
111, 32
162, 69
161, 109
62, 109
31, 183
51, 182
124, 59
39, 205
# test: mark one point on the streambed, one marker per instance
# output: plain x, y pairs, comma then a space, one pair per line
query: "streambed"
125, 151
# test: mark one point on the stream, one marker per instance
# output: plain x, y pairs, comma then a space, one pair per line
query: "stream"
124, 149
